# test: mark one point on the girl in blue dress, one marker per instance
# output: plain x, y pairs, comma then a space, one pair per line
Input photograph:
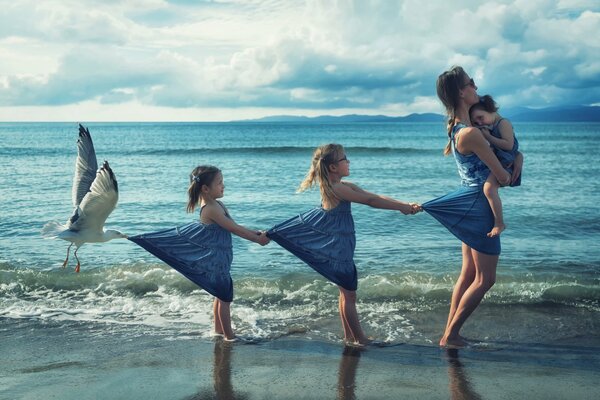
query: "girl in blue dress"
499, 133
202, 251
324, 237
466, 212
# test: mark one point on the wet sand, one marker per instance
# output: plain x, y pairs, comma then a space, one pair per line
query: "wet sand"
85, 361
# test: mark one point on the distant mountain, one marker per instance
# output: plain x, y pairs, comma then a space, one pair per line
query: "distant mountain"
553, 114
427, 117
517, 114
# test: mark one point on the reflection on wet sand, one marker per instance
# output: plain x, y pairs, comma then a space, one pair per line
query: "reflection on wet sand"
347, 373
223, 389
458, 380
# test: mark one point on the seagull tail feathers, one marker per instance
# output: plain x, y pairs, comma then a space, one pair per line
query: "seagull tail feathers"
52, 229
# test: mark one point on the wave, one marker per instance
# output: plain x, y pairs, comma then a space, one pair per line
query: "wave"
144, 279
240, 150
283, 150
397, 307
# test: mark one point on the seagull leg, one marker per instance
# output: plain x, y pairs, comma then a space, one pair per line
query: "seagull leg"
77, 267
67, 259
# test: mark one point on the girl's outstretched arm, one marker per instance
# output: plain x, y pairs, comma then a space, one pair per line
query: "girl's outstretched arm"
350, 192
217, 215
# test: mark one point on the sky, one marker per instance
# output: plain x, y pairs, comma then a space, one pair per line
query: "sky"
158, 60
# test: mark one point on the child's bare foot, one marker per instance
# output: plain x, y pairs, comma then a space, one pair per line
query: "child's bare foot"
352, 342
497, 230
453, 342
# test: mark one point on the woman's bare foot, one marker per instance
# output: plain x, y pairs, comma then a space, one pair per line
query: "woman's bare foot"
497, 230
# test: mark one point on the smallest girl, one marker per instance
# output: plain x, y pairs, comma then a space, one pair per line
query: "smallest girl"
500, 134
324, 237
202, 251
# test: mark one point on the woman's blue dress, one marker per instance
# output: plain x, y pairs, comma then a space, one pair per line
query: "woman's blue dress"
466, 212
201, 252
325, 240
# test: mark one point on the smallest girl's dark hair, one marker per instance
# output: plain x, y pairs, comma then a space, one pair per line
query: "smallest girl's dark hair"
200, 176
486, 103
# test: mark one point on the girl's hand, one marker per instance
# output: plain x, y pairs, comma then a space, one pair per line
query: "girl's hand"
416, 207
407, 209
486, 133
517, 166
411, 209
263, 239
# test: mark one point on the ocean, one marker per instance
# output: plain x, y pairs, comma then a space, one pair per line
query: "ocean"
548, 285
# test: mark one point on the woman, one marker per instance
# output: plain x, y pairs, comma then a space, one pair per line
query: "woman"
466, 212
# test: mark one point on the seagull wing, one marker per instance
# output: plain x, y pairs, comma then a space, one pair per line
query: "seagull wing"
85, 166
98, 203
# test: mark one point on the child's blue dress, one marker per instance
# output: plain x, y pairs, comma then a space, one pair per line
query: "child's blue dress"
506, 157
466, 212
325, 240
201, 252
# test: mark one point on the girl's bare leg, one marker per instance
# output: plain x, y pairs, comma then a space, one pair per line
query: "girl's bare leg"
349, 315
224, 315
490, 189
347, 333
218, 326
485, 277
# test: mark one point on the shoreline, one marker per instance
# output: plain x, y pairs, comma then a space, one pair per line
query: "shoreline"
86, 360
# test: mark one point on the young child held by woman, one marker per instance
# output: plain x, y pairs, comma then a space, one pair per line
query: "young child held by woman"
500, 134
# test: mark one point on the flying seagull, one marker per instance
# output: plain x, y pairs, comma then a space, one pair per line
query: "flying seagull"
95, 194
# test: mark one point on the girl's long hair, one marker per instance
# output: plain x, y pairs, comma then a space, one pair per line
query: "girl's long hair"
448, 87
323, 157
201, 175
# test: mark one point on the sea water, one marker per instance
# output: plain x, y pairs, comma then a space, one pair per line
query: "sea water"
548, 284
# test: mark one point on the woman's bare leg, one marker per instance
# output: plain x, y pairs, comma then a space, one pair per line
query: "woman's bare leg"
467, 275
485, 277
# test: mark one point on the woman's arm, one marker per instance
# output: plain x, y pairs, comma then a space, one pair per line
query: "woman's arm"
217, 215
472, 141
350, 192
507, 136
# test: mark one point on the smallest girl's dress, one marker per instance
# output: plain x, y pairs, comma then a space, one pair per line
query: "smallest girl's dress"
201, 252
325, 240
505, 157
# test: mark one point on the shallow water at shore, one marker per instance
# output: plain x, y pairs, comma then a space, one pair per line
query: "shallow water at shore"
75, 360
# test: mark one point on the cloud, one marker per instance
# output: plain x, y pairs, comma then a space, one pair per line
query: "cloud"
316, 55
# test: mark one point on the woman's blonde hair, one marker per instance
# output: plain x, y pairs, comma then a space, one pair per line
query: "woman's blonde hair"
448, 90
323, 157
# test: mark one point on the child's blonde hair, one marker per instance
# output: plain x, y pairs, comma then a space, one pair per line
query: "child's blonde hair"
200, 176
323, 157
